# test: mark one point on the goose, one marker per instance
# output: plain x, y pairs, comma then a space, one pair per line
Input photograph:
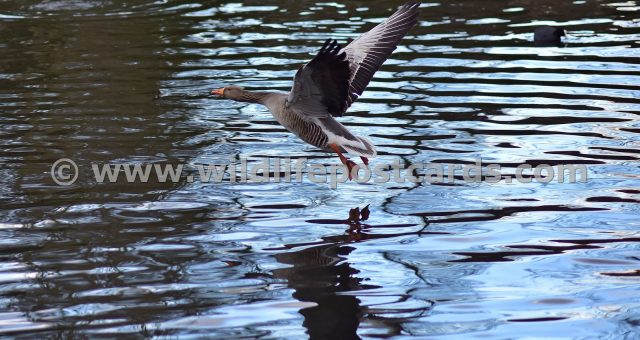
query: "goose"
326, 86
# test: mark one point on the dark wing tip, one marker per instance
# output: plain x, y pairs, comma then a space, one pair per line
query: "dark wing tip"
326, 45
330, 49
385, 40
410, 9
412, 5
406, 16
331, 73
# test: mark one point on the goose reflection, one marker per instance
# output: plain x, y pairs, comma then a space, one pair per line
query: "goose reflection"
319, 273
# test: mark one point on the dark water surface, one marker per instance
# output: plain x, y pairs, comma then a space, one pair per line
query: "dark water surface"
127, 81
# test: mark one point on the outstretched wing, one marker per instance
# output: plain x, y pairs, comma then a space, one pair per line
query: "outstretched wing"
336, 77
367, 53
321, 87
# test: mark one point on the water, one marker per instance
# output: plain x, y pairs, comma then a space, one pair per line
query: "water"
116, 81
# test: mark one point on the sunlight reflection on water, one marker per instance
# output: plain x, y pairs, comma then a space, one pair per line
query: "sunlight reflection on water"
275, 260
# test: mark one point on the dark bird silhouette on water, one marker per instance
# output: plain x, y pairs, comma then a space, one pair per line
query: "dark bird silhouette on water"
548, 36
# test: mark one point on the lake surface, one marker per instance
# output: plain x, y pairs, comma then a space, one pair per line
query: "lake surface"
128, 81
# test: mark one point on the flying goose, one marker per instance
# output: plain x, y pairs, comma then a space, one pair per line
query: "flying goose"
326, 86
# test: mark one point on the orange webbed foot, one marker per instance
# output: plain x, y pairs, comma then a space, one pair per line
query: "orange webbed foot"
350, 165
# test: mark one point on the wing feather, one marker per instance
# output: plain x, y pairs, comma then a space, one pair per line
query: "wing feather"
337, 76
320, 88
369, 51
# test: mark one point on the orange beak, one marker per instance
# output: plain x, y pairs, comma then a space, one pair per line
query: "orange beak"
218, 92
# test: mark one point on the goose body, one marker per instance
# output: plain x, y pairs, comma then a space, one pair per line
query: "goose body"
325, 87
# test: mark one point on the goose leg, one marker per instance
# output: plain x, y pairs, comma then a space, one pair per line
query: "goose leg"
349, 163
365, 160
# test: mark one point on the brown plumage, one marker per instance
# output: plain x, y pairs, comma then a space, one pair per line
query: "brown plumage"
325, 87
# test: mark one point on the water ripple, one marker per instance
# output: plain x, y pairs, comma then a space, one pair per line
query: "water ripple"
129, 81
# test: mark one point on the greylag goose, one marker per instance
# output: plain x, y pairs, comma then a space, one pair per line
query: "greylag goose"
326, 86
